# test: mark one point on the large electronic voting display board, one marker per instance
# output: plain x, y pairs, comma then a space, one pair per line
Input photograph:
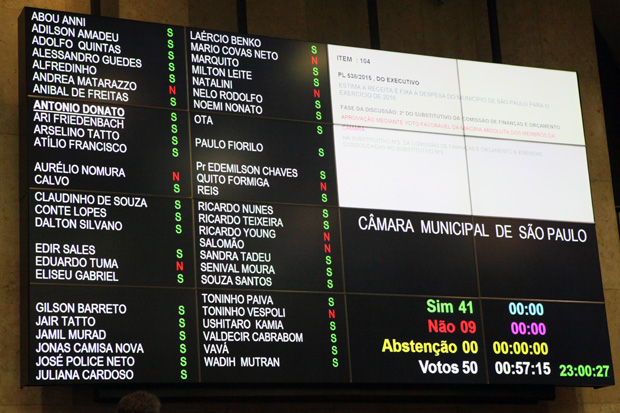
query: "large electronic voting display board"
210, 207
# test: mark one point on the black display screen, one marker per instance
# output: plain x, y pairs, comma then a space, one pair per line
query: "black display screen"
210, 207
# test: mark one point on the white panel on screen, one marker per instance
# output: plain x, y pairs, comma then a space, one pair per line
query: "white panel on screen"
521, 103
394, 90
529, 180
399, 170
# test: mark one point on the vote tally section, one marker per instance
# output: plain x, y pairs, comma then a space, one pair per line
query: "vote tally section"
209, 207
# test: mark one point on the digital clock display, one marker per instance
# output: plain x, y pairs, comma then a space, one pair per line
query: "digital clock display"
212, 207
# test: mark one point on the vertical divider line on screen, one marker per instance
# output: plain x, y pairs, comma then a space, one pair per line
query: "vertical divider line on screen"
471, 206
